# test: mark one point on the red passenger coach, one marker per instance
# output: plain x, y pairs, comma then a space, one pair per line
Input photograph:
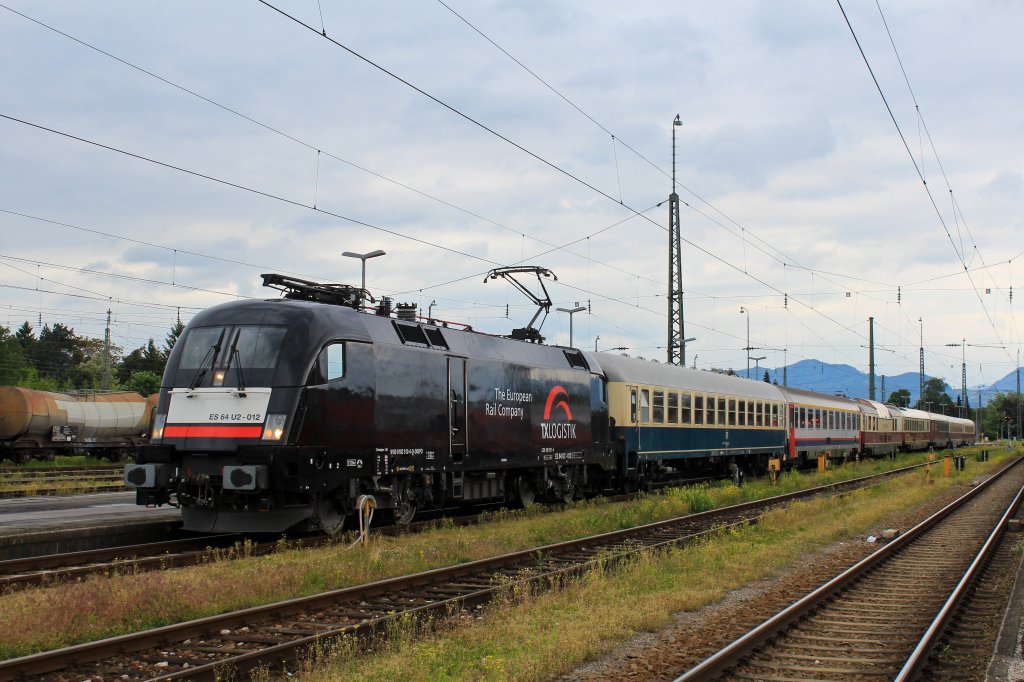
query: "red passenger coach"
878, 437
821, 425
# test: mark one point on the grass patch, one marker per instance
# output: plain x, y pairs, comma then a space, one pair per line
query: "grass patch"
47, 618
536, 637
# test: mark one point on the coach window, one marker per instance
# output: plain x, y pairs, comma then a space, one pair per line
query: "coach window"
759, 413
721, 412
684, 415
673, 407
645, 405
659, 407
732, 412
632, 406
750, 413
775, 415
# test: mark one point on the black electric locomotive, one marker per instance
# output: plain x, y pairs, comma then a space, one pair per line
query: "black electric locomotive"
284, 412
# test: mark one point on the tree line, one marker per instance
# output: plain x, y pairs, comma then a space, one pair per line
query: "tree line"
58, 359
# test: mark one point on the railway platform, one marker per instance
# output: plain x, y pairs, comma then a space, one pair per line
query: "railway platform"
34, 526
1008, 659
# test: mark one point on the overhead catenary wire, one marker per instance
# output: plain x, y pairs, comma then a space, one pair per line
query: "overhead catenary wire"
314, 198
293, 138
917, 169
311, 146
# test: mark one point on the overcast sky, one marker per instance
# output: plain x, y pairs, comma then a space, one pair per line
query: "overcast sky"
795, 178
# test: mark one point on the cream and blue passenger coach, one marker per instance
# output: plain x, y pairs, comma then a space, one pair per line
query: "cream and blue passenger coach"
665, 413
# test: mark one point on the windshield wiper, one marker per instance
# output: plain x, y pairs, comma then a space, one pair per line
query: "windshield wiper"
201, 372
234, 354
238, 368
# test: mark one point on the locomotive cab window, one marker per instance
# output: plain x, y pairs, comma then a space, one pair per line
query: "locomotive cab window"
329, 365
334, 357
200, 346
237, 348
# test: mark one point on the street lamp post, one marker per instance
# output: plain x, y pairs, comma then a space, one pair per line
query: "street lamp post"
747, 349
572, 311
757, 364
363, 257
683, 344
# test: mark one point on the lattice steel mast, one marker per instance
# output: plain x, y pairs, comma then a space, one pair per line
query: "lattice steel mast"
676, 346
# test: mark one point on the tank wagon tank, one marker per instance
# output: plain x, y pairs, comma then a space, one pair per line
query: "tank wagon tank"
39, 424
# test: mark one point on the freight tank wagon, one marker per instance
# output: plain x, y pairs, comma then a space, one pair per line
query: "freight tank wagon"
39, 424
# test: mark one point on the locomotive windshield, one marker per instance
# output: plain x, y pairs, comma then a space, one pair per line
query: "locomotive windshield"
246, 346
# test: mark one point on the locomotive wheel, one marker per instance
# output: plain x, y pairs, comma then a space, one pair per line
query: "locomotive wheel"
327, 516
405, 511
525, 492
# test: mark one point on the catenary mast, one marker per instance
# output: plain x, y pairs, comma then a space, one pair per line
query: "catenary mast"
676, 346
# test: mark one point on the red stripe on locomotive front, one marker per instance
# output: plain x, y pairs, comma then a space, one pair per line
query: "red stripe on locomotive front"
192, 431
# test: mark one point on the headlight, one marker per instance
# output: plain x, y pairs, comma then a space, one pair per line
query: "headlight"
274, 427
158, 428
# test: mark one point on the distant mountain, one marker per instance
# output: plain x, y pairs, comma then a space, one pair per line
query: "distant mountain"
1007, 384
815, 375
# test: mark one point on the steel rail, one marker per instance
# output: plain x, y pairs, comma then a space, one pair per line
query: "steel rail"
919, 656
50, 661
720, 662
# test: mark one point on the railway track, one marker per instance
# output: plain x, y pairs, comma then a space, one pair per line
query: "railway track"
54, 569
883, 618
277, 634
28, 481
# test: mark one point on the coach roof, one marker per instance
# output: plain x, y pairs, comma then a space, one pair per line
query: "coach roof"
619, 368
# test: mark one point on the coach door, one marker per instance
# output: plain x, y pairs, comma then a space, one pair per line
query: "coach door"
632, 448
457, 420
